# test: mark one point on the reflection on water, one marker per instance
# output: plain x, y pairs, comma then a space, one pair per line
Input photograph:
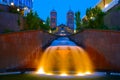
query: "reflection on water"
64, 57
63, 41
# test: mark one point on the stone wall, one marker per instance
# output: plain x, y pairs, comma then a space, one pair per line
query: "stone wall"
112, 19
103, 47
22, 48
9, 21
4, 8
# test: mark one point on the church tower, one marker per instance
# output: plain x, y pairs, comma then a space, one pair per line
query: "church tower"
53, 19
70, 19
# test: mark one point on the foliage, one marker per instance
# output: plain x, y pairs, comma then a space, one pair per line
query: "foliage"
7, 31
1, 10
94, 19
18, 21
118, 8
53, 29
44, 27
117, 28
77, 20
13, 9
47, 22
32, 21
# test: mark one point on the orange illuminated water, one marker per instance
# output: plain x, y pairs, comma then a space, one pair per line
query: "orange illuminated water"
65, 60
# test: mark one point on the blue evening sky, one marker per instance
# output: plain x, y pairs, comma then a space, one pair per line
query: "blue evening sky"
43, 7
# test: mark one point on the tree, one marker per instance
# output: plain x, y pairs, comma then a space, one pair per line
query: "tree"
77, 20
47, 21
94, 18
32, 21
45, 25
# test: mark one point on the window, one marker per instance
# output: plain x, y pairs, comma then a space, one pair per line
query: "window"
4, 1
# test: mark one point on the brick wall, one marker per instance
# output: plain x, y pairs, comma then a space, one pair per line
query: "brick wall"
22, 48
103, 47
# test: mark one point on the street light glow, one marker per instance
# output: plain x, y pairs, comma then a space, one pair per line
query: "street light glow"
18, 9
106, 5
12, 4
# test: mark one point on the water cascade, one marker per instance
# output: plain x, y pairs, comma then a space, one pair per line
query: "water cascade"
64, 57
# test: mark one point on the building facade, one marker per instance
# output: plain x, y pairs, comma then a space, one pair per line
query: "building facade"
70, 19
53, 19
106, 5
18, 3
26, 5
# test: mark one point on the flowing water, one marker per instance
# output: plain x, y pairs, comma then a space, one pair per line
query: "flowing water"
64, 57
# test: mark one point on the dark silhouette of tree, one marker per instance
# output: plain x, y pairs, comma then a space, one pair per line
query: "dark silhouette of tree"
78, 20
47, 22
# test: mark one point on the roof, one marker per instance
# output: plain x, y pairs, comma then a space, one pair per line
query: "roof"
70, 11
53, 10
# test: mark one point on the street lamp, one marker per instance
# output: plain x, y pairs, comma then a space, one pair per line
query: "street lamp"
92, 18
25, 8
75, 31
50, 31
43, 22
12, 4
18, 9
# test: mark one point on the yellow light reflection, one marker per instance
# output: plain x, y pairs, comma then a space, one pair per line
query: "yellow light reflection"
49, 73
63, 59
41, 71
80, 74
63, 74
88, 72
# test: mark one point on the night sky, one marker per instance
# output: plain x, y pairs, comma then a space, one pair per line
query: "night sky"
43, 7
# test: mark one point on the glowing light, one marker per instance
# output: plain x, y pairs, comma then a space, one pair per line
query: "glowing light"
41, 71
88, 72
75, 31
50, 31
106, 5
63, 74
25, 8
93, 18
49, 73
80, 74
43, 22
12, 4
18, 9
